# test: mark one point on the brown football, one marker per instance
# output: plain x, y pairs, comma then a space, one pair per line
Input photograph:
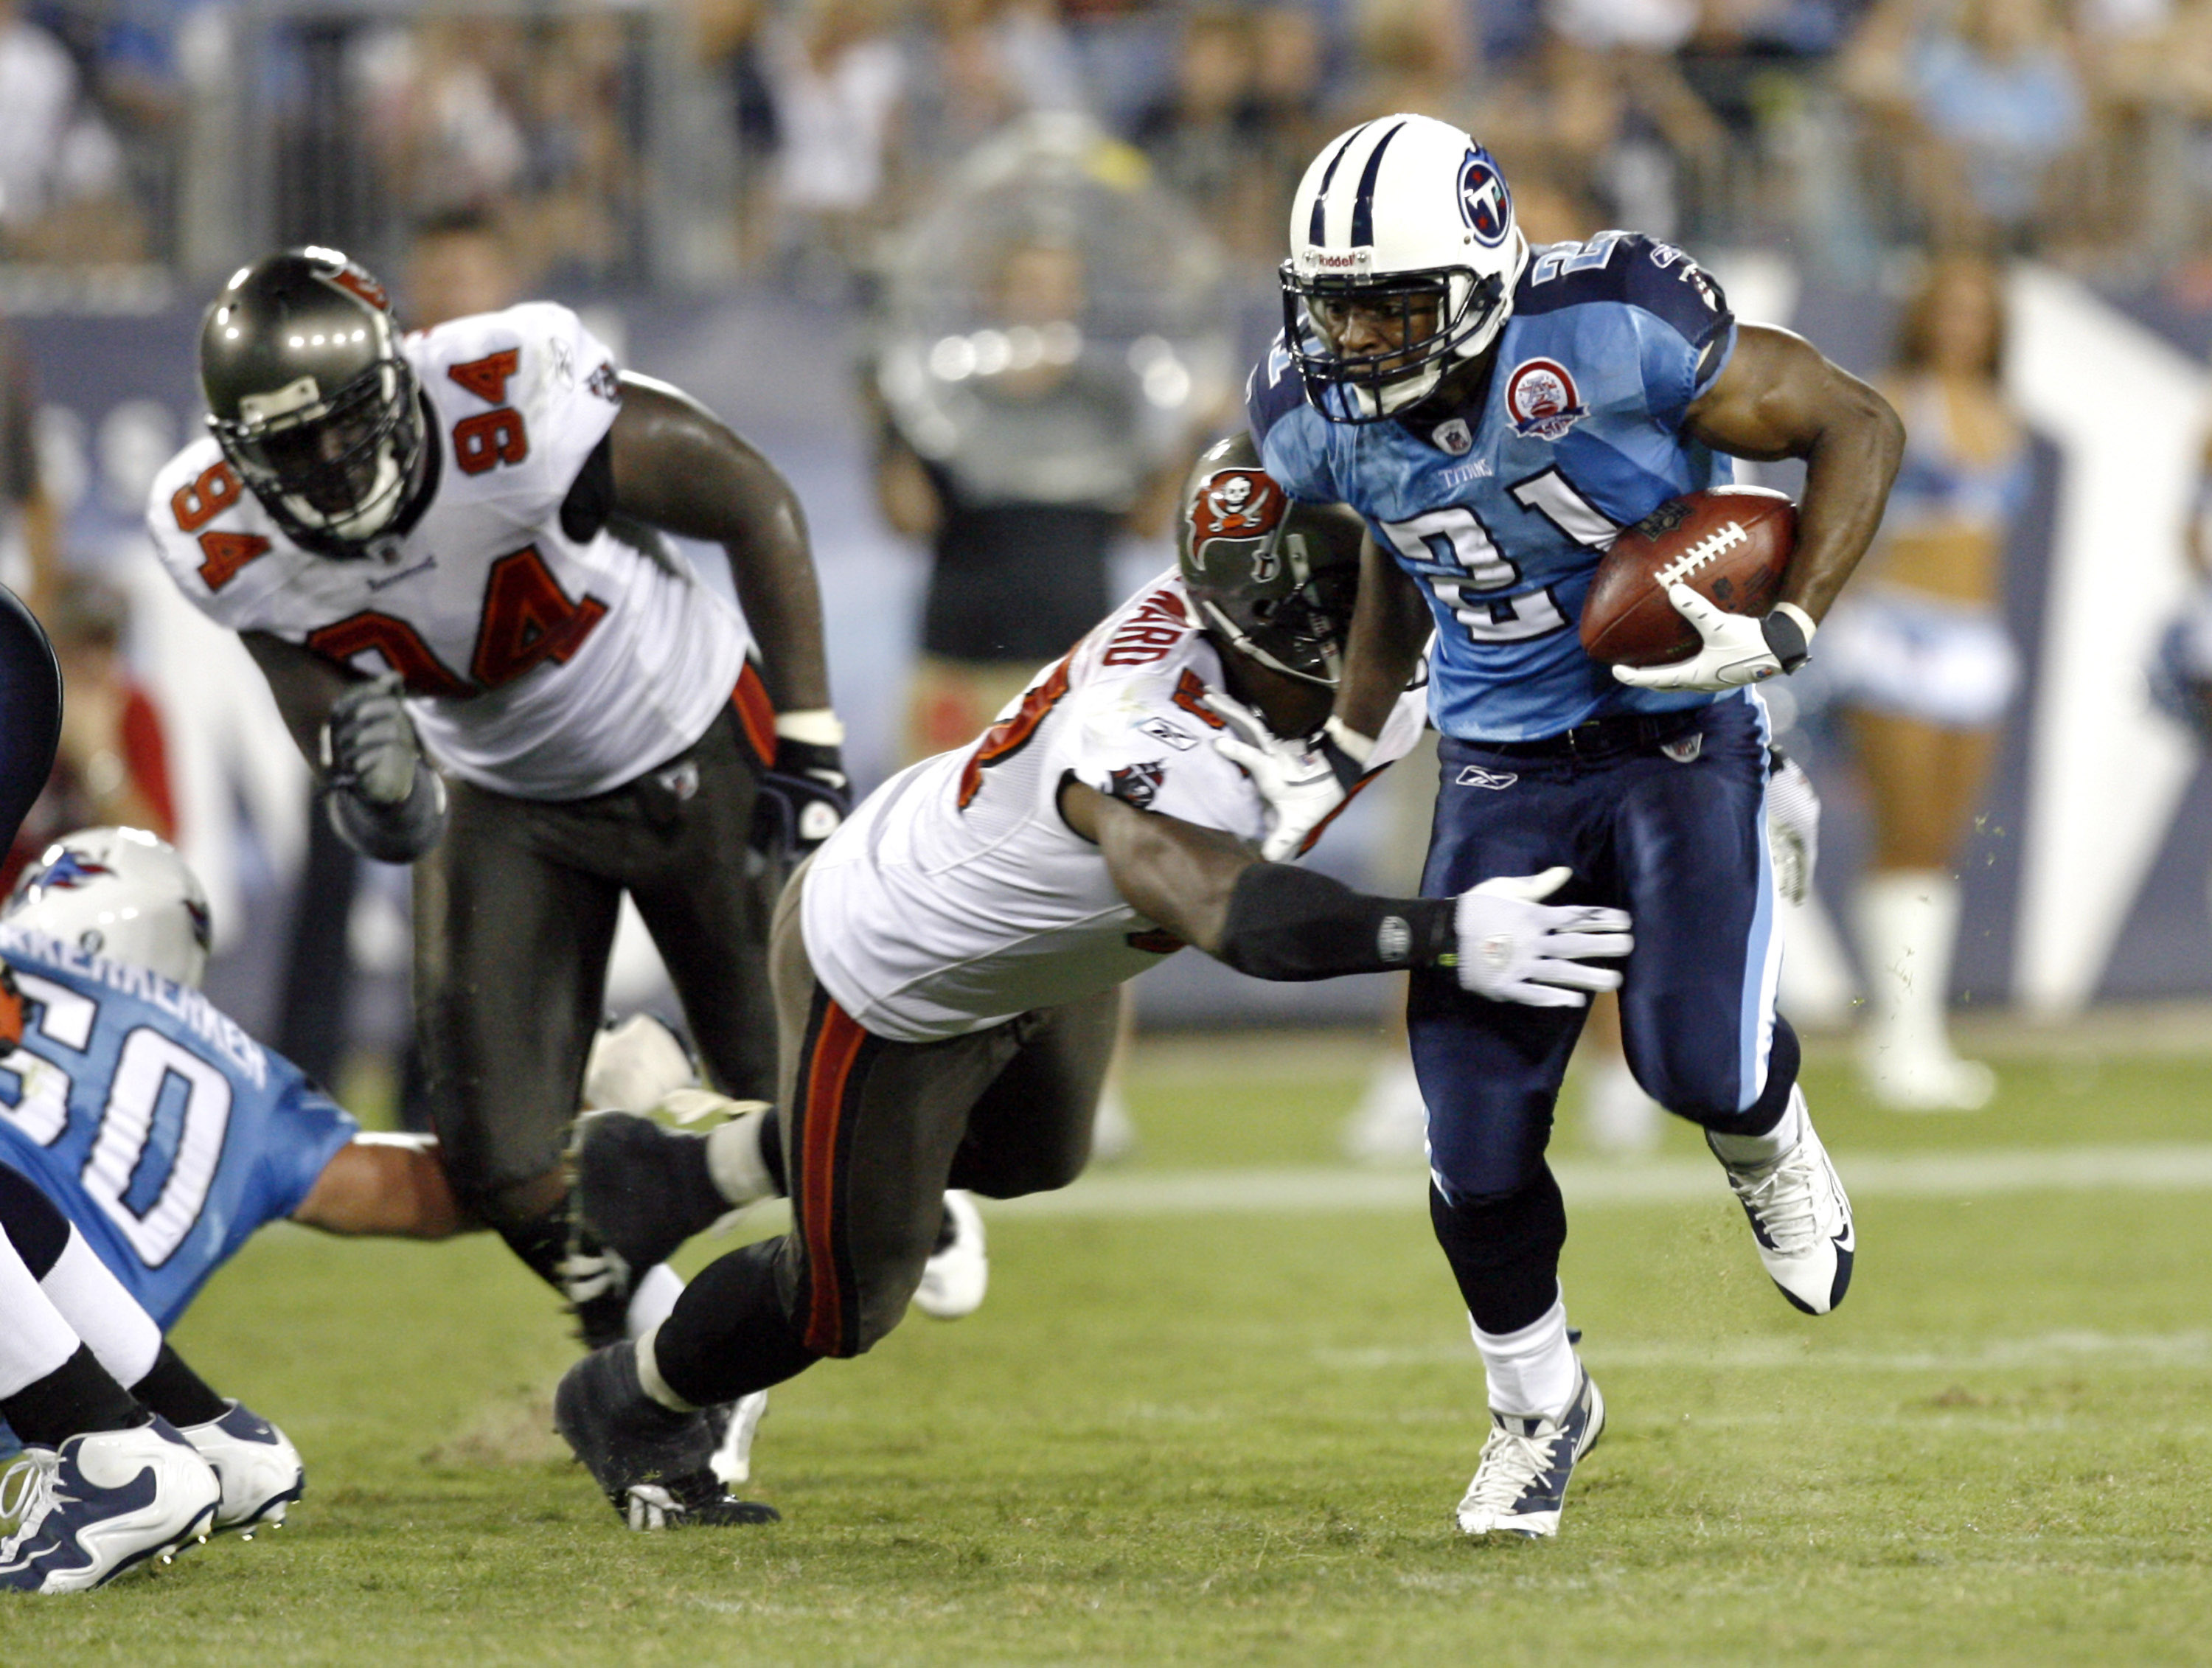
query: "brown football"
1730, 543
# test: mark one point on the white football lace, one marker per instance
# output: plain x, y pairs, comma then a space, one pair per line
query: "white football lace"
1511, 1464
1783, 1200
26, 1494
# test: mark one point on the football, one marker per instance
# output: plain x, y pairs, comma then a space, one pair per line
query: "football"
1729, 542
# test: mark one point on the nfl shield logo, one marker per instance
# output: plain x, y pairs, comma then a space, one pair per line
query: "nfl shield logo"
1454, 436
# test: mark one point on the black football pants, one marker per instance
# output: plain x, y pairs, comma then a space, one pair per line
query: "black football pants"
514, 916
874, 1131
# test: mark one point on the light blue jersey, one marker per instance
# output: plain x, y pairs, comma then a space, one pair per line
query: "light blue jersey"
1502, 509
160, 1127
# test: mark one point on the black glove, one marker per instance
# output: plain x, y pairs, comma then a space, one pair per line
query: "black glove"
803, 797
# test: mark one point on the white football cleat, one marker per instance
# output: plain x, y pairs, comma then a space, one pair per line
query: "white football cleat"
733, 1446
1520, 1485
256, 1464
101, 1504
1801, 1219
959, 1271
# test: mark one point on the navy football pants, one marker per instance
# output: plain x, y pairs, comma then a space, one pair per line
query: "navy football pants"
1679, 843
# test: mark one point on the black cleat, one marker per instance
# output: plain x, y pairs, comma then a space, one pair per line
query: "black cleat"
641, 1188
654, 1466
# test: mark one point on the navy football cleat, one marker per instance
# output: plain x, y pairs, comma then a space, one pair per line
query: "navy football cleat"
256, 1464
101, 1504
655, 1466
1520, 1485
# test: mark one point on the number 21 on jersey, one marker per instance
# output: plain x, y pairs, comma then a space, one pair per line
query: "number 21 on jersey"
1454, 553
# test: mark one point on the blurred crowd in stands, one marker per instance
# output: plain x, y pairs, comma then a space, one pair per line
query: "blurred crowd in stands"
789, 134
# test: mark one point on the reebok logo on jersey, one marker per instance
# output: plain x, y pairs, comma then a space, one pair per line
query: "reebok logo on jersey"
1160, 730
1474, 776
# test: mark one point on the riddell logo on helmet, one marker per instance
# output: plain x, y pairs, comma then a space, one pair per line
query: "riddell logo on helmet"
1361, 260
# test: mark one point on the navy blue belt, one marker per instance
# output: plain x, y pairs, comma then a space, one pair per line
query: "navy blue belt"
1620, 733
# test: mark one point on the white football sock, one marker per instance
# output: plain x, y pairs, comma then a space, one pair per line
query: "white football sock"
36, 1341
1743, 1150
652, 1299
733, 1159
100, 1312
648, 1374
1908, 923
1530, 1372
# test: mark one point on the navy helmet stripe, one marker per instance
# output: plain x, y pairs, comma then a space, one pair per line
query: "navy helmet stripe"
1317, 233
1362, 206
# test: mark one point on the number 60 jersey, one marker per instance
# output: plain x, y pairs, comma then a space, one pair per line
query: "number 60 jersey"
160, 1127
545, 660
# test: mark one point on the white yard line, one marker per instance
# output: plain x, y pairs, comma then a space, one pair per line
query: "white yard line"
2047, 1350
1963, 1175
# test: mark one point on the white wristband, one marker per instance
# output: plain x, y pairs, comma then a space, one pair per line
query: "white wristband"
1360, 747
817, 727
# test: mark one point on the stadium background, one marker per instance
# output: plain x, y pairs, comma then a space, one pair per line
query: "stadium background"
726, 213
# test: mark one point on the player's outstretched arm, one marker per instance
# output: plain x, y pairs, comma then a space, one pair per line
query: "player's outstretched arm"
1275, 922
1780, 398
388, 1185
681, 468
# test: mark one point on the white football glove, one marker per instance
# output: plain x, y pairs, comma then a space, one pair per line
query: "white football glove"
1512, 948
369, 742
1737, 649
1793, 829
1303, 782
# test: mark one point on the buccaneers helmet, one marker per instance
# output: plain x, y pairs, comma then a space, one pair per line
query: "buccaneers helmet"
310, 400
1276, 579
118, 893
1407, 216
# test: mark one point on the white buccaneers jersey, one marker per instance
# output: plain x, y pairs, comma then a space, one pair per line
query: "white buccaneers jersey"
535, 665
956, 897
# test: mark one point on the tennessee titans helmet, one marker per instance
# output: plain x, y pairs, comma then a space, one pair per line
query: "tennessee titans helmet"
1275, 580
119, 892
1407, 219
310, 400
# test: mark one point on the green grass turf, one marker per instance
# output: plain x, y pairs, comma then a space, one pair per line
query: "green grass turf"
1238, 1439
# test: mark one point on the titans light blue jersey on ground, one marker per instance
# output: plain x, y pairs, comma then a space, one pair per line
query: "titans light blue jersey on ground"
1502, 509
160, 1127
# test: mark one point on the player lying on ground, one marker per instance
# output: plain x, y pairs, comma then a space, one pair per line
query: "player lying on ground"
947, 967
108, 936
441, 550
1498, 415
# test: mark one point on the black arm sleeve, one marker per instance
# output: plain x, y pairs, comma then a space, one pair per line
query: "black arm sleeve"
1290, 923
592, 499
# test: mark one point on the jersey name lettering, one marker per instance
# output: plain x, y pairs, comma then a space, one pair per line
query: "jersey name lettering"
1149, 633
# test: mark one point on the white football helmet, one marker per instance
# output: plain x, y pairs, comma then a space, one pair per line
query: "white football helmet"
119, 892
1404, 213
